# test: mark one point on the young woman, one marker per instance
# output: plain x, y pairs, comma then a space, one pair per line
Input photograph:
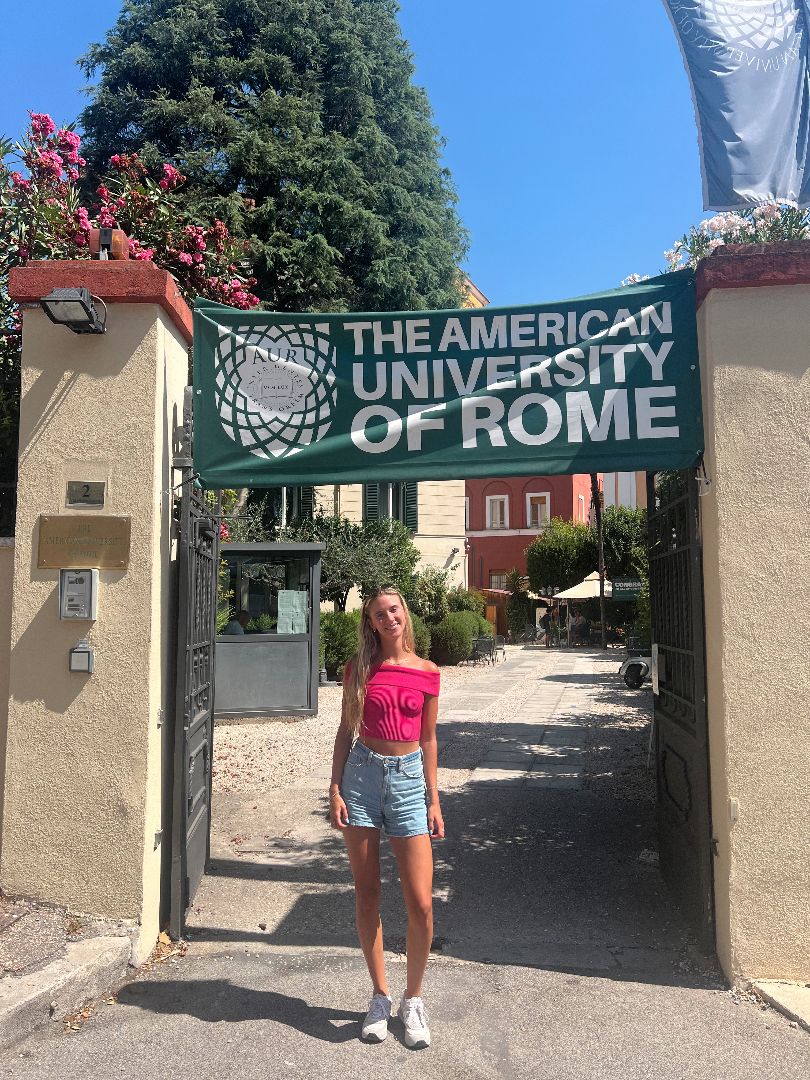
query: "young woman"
384, 777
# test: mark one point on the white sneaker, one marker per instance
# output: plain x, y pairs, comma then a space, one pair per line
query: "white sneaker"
375, 1025
414, 1019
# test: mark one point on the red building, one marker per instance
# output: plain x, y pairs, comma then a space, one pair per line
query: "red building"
504, 515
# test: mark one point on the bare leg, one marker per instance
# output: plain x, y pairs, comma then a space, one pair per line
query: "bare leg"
414, 857
363, 846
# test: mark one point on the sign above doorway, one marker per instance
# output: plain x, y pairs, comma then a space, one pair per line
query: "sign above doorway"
603, 383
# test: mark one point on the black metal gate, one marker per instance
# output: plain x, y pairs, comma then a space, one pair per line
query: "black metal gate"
197, 524
676, 601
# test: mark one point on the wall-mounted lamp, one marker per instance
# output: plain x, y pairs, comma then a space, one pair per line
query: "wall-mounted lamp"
74, 308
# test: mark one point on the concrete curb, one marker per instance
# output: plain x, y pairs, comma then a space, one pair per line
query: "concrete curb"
88, 969
790, 999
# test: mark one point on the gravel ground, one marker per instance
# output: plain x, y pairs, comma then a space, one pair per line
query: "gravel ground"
251, 756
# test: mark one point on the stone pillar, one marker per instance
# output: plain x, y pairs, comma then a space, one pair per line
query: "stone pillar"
88, 756
754, 326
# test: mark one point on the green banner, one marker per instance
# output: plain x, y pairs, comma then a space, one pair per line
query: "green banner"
605, 383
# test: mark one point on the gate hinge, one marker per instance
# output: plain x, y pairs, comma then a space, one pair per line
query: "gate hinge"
715, 846
161, 716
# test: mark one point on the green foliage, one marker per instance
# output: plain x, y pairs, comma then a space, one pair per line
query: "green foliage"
224, 596
368, 555
247, 524
421, 635
263, 624
338, 638
561, 556
477, 624
296, 123
518, 614
625, 540
427, 594
461, 599
642, 628
452, 639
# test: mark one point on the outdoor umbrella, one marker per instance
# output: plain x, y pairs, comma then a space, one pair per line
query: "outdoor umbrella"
585, 590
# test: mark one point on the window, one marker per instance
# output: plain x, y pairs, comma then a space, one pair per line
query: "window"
497, 579
497, 511
270, 590
538, 509
398, 501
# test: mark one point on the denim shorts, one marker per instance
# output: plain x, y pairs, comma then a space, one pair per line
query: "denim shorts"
385, 792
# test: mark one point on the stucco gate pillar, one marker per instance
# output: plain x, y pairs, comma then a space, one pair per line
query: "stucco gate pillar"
88, 755
754, 332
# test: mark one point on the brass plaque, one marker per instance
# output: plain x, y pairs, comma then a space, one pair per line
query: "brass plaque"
83, 542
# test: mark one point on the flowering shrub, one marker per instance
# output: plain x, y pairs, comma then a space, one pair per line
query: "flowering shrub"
42, 217
758, 225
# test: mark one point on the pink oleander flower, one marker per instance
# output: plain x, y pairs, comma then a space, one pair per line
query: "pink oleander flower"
41, 125
103, 192
767, 212
80, 239
24, 252
106, 220
145, 255
82, 218
224, 532
197, 257
73, 174
49, 163
115, 160
185, 258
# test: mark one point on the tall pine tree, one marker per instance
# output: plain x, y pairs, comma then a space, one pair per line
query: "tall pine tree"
297, 123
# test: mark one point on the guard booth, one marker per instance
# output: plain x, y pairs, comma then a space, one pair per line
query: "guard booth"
267, 657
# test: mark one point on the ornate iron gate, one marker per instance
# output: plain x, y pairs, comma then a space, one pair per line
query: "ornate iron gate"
676, 600
197, 521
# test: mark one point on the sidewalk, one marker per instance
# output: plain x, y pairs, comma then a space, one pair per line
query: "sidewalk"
557, 953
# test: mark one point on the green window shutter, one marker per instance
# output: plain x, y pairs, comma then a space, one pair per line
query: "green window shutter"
411, 505
371, 502
306, 504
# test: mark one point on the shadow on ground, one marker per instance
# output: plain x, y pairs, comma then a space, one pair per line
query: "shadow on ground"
531, 876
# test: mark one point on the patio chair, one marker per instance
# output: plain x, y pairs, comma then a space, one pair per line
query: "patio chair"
483, 650
499, 647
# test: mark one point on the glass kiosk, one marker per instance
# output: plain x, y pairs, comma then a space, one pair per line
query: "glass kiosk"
267, 655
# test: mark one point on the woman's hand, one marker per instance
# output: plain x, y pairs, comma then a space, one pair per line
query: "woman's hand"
338, 813
435, 821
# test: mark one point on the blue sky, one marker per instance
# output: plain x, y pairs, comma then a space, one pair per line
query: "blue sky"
569, 127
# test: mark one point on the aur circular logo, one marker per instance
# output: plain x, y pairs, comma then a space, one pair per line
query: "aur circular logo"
275, 386
759, 26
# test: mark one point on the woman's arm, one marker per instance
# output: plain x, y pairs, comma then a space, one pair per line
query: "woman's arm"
427, 741
338, 814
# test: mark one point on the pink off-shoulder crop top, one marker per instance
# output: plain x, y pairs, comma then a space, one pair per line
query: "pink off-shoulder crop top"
395, 697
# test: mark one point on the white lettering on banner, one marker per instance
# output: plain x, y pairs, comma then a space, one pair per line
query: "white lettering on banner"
472, 423
453, 335
587, 319
655, 359
461, 386
646, 412
614, 411
417, 335
360, 424
358, 329
534, 365
494, 338
522, 334
500, 372
419, 420
553, 419
663, 322
358, 385
394, 337
401, 375
484, 417
575, 373
549, 325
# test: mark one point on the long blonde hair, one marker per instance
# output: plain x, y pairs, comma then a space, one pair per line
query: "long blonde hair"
368, 652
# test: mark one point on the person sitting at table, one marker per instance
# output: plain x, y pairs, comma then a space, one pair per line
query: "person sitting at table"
581, 630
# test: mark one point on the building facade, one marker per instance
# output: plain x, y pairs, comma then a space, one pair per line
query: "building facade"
505, 514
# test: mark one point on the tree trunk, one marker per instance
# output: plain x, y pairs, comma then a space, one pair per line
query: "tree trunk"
596, 502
